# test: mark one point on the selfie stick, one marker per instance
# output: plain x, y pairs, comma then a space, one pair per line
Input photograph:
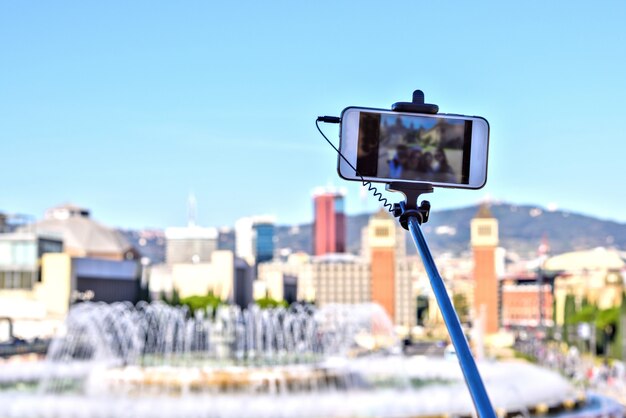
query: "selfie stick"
411, 217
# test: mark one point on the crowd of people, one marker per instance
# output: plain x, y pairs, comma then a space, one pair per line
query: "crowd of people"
415, 164
604, 376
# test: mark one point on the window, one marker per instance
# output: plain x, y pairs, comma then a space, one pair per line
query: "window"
16, 279
484, 230
381, 231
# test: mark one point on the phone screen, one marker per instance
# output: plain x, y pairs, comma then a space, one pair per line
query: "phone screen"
414, 148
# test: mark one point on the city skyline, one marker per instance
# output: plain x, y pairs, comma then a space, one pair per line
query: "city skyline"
125, 109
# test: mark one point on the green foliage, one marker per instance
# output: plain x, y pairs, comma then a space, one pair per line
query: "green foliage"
461, 306
607, 317
569, 310
523, 356
607, 322
173, 300
267, 302
196, 302
587, 313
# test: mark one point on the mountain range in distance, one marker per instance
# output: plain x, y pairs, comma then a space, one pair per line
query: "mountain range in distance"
522, 229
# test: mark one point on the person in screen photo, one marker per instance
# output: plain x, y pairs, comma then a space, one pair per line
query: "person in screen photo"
413, 164
398, 163
426, 165
442, 170
420, 149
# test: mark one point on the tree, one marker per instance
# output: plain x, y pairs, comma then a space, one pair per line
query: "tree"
173, 300
461, 306
197, 302
617, 347
267, 302
143, 293
569, 310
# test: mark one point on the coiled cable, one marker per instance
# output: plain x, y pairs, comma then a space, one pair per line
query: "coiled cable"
366, 183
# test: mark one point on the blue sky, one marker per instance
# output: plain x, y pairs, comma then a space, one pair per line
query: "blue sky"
127, 107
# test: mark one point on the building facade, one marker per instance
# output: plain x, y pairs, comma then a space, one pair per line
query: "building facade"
65, 258
254, 239
484, 240
82, 236
329, 224
191, 244
596, 275
226, 276
20, 258
526, 304
263, 239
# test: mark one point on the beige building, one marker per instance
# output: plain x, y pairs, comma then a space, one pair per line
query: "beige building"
596, 274
224, 275
38, 308
82, 236
50, 264
190, 244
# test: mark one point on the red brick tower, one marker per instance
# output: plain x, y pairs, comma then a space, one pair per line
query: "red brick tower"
484, 233
382, 243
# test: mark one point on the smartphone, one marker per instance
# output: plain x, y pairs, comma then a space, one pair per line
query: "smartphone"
385, 146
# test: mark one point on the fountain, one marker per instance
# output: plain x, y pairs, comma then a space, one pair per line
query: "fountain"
155, 360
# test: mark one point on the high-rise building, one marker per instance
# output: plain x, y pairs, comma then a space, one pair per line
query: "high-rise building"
263, 238
484, 238
254, 238
244, 239
329, 225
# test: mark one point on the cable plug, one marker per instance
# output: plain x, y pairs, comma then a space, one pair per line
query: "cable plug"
329, 119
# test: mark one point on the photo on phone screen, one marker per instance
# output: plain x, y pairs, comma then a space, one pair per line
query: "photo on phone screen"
414, 148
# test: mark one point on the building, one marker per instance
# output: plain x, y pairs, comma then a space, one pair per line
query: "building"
65, 258
596, 275
100, 280
254, 238
82, 236
381, 277
382, 244
289, 280
244, 239
263, 238
39, 282
226, 276
226, 239
20, 258
526, 302
190, 244
484, 240
329, 224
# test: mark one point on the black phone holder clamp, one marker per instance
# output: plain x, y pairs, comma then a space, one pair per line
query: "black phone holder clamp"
408, 208
417, 105
412, 191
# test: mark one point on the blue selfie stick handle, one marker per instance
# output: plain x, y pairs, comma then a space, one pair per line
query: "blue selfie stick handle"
468, 365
